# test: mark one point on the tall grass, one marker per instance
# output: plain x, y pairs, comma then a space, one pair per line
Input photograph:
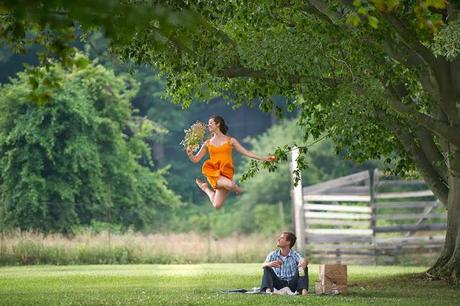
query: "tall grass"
88, 247
26, 248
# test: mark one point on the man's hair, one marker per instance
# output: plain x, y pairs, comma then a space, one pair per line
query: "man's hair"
291, 238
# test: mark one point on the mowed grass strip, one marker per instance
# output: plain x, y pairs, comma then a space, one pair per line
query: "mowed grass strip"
201, 285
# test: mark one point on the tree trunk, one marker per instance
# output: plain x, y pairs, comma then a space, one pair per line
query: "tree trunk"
448, 264
158, 154
273, 117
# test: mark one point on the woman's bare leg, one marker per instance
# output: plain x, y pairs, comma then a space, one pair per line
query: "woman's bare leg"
204, 186
228, 184
219, 198
224, 186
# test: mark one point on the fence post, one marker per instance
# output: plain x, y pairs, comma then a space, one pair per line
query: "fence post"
281, 209
297, 203
1, 232
373, 180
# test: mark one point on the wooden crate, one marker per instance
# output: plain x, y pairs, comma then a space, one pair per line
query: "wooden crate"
330, 276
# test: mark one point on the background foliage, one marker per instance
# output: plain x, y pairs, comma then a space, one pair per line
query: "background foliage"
70, 150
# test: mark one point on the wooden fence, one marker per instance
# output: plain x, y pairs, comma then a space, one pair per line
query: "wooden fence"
366, 218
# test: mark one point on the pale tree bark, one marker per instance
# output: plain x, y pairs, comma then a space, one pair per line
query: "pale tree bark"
438, 164
448, 264
424, 163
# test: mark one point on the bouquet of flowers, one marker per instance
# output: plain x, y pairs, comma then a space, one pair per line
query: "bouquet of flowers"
194, 136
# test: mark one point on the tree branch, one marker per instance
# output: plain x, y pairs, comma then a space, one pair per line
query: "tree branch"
434, 76
432, 153
281, 20
438, 81
452, 10
436, 66
410, 58
237, 70
430, 175
240, 71
174, 41
439, 127
443, 143
321, 9
449, 95
409, 38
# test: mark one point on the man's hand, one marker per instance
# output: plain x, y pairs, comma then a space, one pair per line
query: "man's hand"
273, 264
303, 263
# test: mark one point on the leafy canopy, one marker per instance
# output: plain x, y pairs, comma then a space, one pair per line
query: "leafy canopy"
362, 80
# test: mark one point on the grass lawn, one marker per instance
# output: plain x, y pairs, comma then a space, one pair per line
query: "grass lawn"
200, 285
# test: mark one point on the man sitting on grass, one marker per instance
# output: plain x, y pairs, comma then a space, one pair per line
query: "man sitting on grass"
285, 267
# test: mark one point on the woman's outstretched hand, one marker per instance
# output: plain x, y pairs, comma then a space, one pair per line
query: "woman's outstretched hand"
271, 158
189, 150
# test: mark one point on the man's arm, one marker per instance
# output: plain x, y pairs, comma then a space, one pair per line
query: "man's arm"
303, 262
271, 262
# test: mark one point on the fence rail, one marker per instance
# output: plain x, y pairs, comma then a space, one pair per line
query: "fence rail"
365, 217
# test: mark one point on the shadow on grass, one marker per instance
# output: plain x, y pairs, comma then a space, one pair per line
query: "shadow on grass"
413, 285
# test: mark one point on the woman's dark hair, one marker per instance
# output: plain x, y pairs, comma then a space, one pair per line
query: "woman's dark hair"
222, 126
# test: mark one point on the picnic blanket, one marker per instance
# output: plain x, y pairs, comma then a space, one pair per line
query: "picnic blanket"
256, 290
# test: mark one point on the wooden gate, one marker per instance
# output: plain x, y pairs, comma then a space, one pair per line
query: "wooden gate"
366, 218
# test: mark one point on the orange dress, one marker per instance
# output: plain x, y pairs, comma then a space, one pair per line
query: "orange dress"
219, 164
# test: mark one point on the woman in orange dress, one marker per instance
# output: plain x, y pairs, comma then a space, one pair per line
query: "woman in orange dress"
219, 168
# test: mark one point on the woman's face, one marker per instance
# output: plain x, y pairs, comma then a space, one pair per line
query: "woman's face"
212, 125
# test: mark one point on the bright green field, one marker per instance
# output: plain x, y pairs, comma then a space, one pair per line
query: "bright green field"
200, 285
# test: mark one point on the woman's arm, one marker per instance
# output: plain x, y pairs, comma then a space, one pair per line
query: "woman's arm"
201, 153
248, 153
